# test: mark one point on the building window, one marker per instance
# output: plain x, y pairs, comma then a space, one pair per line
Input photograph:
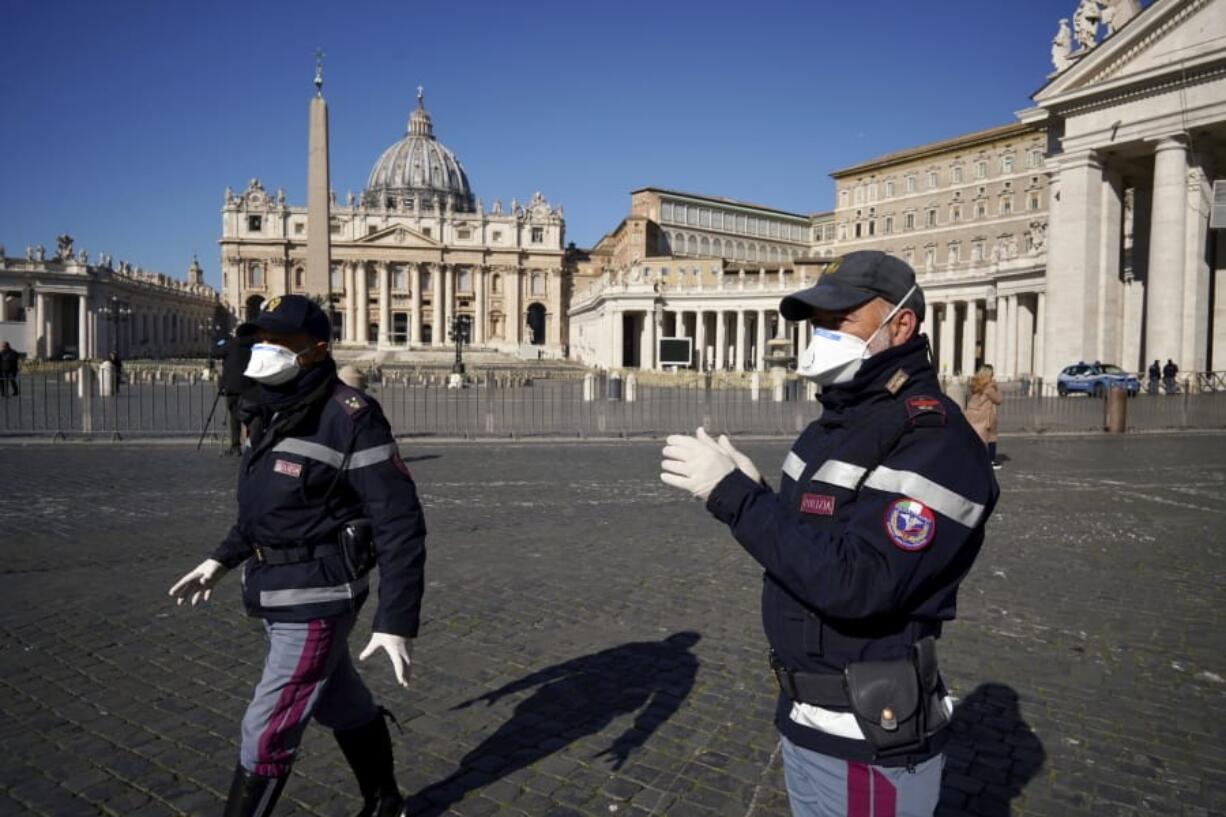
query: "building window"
497, 236
910, 184
859, 195
977, 251
956, 174
932, 179
857, 229
872, 192
704, 218
299, 228
334, 278
930, 258
705, 246
538, 284
955, 213
717, 220
1034, 202
464, 280
255, 224
981, 169
955, 252
872, 228
1006, 205
538, 235
930, 218
843, 198
889, 189
463, 234
908, 221
741, 223
372, 278
299, 278
981, 210
691, 216
427, 231
1006, 163
426, 281
666, 211
1034, 158
400, 278
888, 227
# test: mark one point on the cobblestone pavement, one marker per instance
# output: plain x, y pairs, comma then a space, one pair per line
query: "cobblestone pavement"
591, 644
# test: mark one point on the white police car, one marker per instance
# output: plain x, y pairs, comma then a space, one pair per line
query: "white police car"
1095, 379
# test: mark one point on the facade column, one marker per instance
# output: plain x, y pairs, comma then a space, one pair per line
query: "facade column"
1040, 319
760, 356
720, 339
1197, 269
362, 278
1025, 338
990, 354
1217, 348
438, 332
448, 300
479, 318
647, 341
740, 347
1073, 261
970, 337
515, 316
1010, 337
351, 302
1165, 287
385, 305
700, 339
415, 304
83, 326
946, 357
617, 359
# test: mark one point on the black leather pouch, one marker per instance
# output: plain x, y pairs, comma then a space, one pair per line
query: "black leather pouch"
889, 704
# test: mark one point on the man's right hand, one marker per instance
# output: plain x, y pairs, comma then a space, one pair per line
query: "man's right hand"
199, 583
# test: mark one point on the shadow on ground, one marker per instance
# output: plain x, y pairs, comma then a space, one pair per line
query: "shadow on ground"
572, 700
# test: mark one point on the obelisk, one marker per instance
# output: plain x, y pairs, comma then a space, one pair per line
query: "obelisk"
319, 214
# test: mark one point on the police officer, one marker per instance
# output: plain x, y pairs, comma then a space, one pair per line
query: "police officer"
879, 515
322, 497
235, 354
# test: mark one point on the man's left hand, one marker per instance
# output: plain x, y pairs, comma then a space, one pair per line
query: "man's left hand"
398, 648
695, 464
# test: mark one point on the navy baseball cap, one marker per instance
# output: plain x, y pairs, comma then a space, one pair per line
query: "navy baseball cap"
289, 315
854, 279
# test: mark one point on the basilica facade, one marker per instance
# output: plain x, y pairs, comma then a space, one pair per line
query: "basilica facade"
415, 249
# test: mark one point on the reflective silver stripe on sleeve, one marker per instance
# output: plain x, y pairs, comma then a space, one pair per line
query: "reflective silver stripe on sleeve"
371, 456
793, 466
920, 488
842, 474
313, 595
314, 451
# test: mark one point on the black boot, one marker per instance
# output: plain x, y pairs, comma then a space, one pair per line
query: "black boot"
252, 795
368, 749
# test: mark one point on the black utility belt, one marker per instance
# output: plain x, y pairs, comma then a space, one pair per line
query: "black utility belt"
897, 704
354, 544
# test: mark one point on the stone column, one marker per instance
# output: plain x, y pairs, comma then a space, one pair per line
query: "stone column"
647, 341
1040, 319
947, 357
1073, 261
385, 305
362, 279
617, 359
448, 289
351, 302
1217, 348
1165, 287
1025, 338
1107, 330
720, 339
741, 346
1197, 269
970, 337
415, 304
1010, 337
438, 335
700, 339
990, 354
760, 356
479, 318
83, 326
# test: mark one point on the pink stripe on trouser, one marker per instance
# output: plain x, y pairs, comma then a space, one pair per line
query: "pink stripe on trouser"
274, 757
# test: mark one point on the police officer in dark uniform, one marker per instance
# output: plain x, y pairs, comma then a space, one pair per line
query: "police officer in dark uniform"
234, 354
879, 515
323, 497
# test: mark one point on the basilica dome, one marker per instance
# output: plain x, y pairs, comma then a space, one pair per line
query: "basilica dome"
417, 169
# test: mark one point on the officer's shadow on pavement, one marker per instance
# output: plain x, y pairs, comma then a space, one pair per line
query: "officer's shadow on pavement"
991, 755
572, 700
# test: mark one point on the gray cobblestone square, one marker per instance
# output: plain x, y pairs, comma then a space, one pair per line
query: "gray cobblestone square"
590, 642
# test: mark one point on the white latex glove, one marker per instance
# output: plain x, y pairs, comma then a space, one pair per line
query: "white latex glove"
743, 463
199, 583
399, 649
695, 464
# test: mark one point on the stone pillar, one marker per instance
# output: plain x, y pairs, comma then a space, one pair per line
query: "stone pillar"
947, 357
1108, 332
385, 305
1010, 344
83, 326
700, 339
437, 322
720, 340
1165, 288
1217, 349
415, 305
617, 359
479, 318
1025, 337
760, 356
1073, 260
647, 341
351, 302
1197, 269
1040, 321
970, 337
739, 364
362, 279
990, 354
515, 317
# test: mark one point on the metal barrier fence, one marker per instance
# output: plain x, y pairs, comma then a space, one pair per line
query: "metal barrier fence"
72, 404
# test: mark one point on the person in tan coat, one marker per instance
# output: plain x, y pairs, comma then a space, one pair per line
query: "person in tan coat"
981, 409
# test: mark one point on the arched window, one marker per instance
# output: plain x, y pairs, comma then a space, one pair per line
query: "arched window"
496, 284
464, 280
299, 278
692, 246
717, 248
538, 284
705, 246
740, 249
255, 276
753, 252
772, 254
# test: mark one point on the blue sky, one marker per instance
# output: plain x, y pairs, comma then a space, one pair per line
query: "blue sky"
124, 121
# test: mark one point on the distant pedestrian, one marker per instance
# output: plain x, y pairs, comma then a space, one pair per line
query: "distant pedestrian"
235, 354
10, 365
981, 409
117, 364
1169, 371
1155, 373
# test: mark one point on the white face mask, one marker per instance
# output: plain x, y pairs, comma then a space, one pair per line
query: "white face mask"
272, 364
834, 357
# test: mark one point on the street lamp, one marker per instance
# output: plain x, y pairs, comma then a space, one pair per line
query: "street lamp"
115, 311
461, 333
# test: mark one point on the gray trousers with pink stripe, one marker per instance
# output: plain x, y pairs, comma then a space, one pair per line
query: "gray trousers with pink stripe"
824, 786
308, 672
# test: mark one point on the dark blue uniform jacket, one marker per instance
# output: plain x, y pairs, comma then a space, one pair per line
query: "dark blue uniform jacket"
879, 516
344, 445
